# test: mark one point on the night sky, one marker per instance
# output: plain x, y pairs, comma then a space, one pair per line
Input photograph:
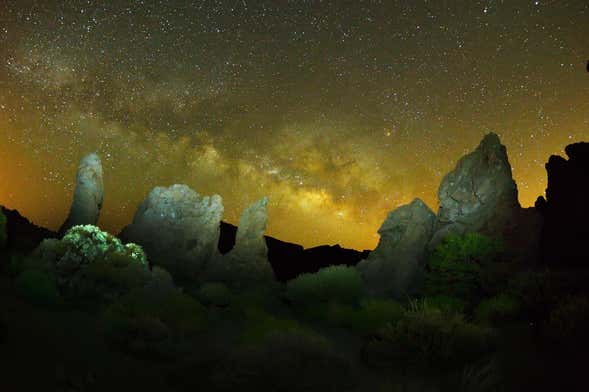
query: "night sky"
338, 111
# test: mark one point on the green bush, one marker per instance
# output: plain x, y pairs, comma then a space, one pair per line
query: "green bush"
456, 266
215, 294
429, 335
259, 324
497, 310
156, 323
332, 284
292, 360
3, 233
38, 287
446, 303
372, 315
91, 264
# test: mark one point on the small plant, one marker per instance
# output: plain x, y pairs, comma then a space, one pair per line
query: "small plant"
332, 284
38, 287
497, 310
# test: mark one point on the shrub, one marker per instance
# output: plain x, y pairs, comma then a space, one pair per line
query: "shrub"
293, 360
259, 324
214, 293
154, 323
38, 287
91, 264
446, 303
497, 310
3, 233
429, 335
456, 265
332, 284
372, 315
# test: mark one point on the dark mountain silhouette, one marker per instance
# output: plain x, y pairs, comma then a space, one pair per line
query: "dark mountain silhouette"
289, 260
566, 208
23, 235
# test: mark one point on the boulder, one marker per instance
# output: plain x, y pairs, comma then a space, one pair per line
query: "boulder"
177, 228
565, 208
395, 268
479, 195
88, 194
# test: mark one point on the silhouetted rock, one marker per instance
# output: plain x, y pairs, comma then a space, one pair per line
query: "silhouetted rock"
565, 209
395, 267
479, 195
177, 228
88, 194
21, 234
290, 260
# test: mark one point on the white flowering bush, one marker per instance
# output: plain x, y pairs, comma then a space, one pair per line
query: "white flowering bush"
88, 262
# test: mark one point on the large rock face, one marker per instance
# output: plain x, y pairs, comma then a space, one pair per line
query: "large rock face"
395, 268
88, 194
177, 228
565, 209
479, 195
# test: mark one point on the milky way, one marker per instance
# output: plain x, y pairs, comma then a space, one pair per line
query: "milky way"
339, 113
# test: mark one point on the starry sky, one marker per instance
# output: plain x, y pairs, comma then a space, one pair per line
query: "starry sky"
338, 111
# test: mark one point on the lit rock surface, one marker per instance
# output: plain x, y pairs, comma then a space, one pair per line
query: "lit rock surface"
479, 195
395, 268
177, 228
88, 194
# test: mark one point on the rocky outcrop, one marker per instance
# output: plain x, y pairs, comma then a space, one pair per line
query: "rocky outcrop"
395, 268
177, 228
249, 241
88, 194
247, 262
565, 209
479, 195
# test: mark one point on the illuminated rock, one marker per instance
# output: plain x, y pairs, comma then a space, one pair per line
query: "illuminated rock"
248, 261
479, 195
395, 268
88, 194
177, 228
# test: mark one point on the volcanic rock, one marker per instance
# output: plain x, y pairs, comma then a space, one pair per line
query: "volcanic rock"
479, 195
395, 268
88, 194
249, 242
177, 228
565, 231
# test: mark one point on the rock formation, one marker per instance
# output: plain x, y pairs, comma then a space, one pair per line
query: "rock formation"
479, 195
565, 208
249, 241
177, 228
88, 194
395, 267
248, 260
